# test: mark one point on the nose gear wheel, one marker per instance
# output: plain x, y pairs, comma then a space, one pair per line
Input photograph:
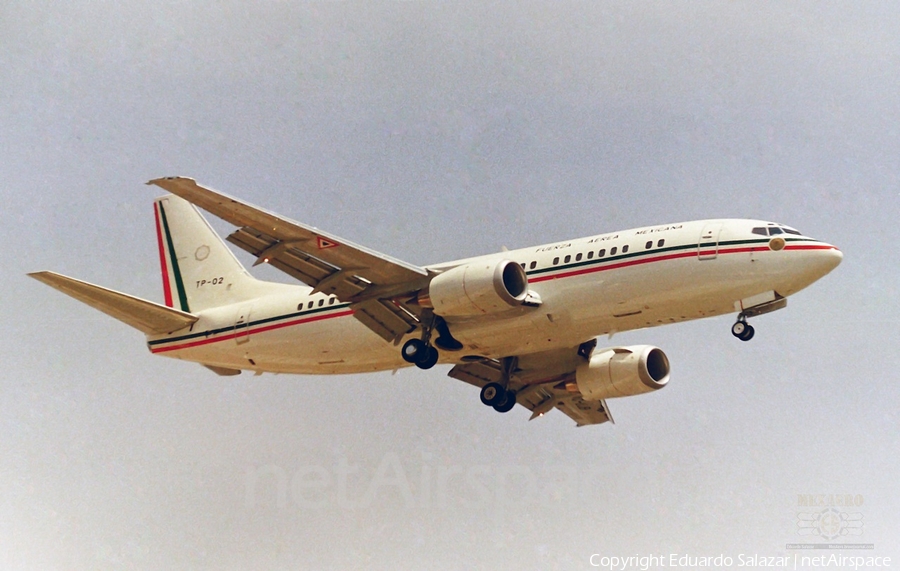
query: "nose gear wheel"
741, 329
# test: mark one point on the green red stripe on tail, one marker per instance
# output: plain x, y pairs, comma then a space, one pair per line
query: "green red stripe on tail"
162, 229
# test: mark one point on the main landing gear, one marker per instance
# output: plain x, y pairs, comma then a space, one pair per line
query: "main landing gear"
498, 395
420, 352
741, 329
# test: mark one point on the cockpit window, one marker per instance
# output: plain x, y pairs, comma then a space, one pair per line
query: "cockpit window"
773, 230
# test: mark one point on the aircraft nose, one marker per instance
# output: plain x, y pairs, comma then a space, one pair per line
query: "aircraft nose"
836, 256
830, 258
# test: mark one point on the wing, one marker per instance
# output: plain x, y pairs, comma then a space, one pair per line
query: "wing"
367, 279
540, 382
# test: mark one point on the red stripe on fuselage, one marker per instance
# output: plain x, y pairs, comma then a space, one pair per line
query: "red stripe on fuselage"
250, 331
679, 255
688, 254
167, 291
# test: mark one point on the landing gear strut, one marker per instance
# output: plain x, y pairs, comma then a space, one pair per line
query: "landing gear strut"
498, 395
741, 329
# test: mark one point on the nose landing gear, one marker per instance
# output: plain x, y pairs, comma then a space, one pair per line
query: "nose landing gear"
741, 329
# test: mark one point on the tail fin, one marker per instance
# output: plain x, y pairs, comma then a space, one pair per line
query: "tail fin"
198, 269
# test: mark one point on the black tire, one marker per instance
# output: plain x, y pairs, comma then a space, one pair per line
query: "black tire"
748, 333
492, 393
413, 350
739, 329
430, 358
507, 405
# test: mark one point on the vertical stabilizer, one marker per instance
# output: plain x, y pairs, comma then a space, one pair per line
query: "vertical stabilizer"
198, 269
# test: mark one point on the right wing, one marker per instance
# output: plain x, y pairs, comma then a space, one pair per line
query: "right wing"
365, 278
540, 384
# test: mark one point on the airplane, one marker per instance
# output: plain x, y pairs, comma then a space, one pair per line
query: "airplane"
520, 325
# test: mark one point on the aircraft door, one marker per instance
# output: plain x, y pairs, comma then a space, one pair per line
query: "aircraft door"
708, 248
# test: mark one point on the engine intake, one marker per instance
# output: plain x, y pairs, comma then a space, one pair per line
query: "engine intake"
477, 288
622, 372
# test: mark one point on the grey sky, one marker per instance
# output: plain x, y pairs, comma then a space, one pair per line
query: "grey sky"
432, 132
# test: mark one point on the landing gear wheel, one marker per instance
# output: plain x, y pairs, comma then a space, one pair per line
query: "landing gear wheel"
414, 351
741, 329
492, 394
430, 358
507, 405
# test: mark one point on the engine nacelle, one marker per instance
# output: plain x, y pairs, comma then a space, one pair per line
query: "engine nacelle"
477, 288
622, 372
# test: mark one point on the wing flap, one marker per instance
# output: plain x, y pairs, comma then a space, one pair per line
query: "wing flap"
477, 373
585, 412
386, 319
542, 395
151, 318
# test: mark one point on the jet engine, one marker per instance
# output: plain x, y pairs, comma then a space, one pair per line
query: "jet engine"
477, 288
622, 372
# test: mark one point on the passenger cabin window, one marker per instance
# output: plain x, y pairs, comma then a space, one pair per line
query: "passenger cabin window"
660, 243
568, 259
601, 253
532, 265
577, 257
331, 301
321, 302
590, 255
300, 307
309, 305
612, 251
625, 248
648, 245
555, 261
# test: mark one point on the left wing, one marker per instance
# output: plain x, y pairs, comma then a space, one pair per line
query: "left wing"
540, 383
367, 279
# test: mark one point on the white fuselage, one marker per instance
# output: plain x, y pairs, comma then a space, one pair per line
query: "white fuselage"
587, 287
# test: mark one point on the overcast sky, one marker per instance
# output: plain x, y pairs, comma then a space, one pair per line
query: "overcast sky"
433, 132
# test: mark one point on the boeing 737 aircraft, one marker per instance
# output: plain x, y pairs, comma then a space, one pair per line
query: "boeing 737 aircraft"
520, 325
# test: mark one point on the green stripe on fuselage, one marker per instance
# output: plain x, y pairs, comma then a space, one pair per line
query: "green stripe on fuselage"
250, 325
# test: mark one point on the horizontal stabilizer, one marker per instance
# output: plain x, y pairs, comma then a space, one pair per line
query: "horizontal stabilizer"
151, 318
